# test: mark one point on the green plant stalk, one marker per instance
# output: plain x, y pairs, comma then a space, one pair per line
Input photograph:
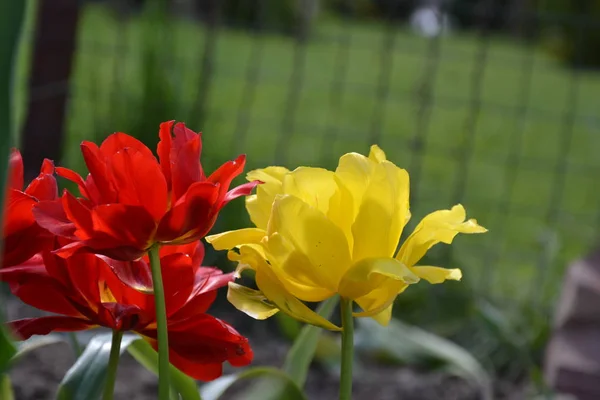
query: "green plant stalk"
161, 325
75, 344
113, 365
347, 349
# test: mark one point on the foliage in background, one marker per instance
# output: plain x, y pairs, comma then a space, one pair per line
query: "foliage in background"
573, 31
110, 67
270, 15
11, 19
156, 99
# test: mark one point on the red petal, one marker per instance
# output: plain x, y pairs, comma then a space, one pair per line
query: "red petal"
178, 278
206, 282
119, 141
200, 346
198, 371
25, 328
96, 163
210, 279
15, 168
106, 247
185, 160
84, 272
21, 246
242, 190
75, 178
51, 215
44, 187
122, 317
18, 215
192, 217
135, 274
79, 214
194, 249
208, 339
47, 166
183, 134
140, 181
164, 150
70, 249
35, 287
226, 173
128, 226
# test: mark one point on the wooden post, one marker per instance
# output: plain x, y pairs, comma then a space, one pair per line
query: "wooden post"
54, 48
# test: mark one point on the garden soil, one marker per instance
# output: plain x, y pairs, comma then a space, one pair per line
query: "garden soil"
37, 374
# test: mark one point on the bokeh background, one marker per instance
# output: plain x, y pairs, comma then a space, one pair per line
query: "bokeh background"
489, 103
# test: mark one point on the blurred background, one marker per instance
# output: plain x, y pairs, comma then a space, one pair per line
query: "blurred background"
490, 103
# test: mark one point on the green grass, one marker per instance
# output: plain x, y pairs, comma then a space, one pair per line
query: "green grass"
508, 257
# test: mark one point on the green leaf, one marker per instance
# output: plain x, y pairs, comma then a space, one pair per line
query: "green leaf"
85, 379
6, 392
288, 326
35, 343
298, 359
215, 389
7, 349
411, 345
10, 355
183, 384
11, 19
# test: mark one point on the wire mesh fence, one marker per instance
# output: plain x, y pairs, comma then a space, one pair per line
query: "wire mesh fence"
484, 116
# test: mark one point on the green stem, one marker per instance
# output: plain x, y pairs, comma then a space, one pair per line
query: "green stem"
347, 349
113, 364
161, 325
75, 344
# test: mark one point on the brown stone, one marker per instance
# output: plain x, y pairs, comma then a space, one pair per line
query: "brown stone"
573, 354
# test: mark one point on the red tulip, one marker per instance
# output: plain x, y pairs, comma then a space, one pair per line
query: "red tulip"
130, 200
23, 237
86, 293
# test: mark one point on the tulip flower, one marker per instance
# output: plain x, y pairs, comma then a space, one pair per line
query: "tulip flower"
84, 291
23, 237
131, 201
320, 233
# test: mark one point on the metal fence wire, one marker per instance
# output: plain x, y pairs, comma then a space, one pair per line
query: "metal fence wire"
502, 116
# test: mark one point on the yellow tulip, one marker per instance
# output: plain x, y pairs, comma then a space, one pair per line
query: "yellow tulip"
320, 233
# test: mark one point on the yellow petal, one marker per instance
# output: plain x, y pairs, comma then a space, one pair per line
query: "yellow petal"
376, 154
309, 232
437, 274
370, 274
314, 186
301, 289
274, 290
231, 239
439, 226
384, 317
382, 214
267, 175
259, 204
341, 211
378, 304
295, 271
287, 303
250, 301
354, 171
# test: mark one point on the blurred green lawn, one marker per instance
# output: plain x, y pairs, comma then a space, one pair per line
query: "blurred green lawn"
523, 255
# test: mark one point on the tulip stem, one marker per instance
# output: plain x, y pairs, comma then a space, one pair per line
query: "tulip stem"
161, 325
113, 364
347, 349
75, 344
